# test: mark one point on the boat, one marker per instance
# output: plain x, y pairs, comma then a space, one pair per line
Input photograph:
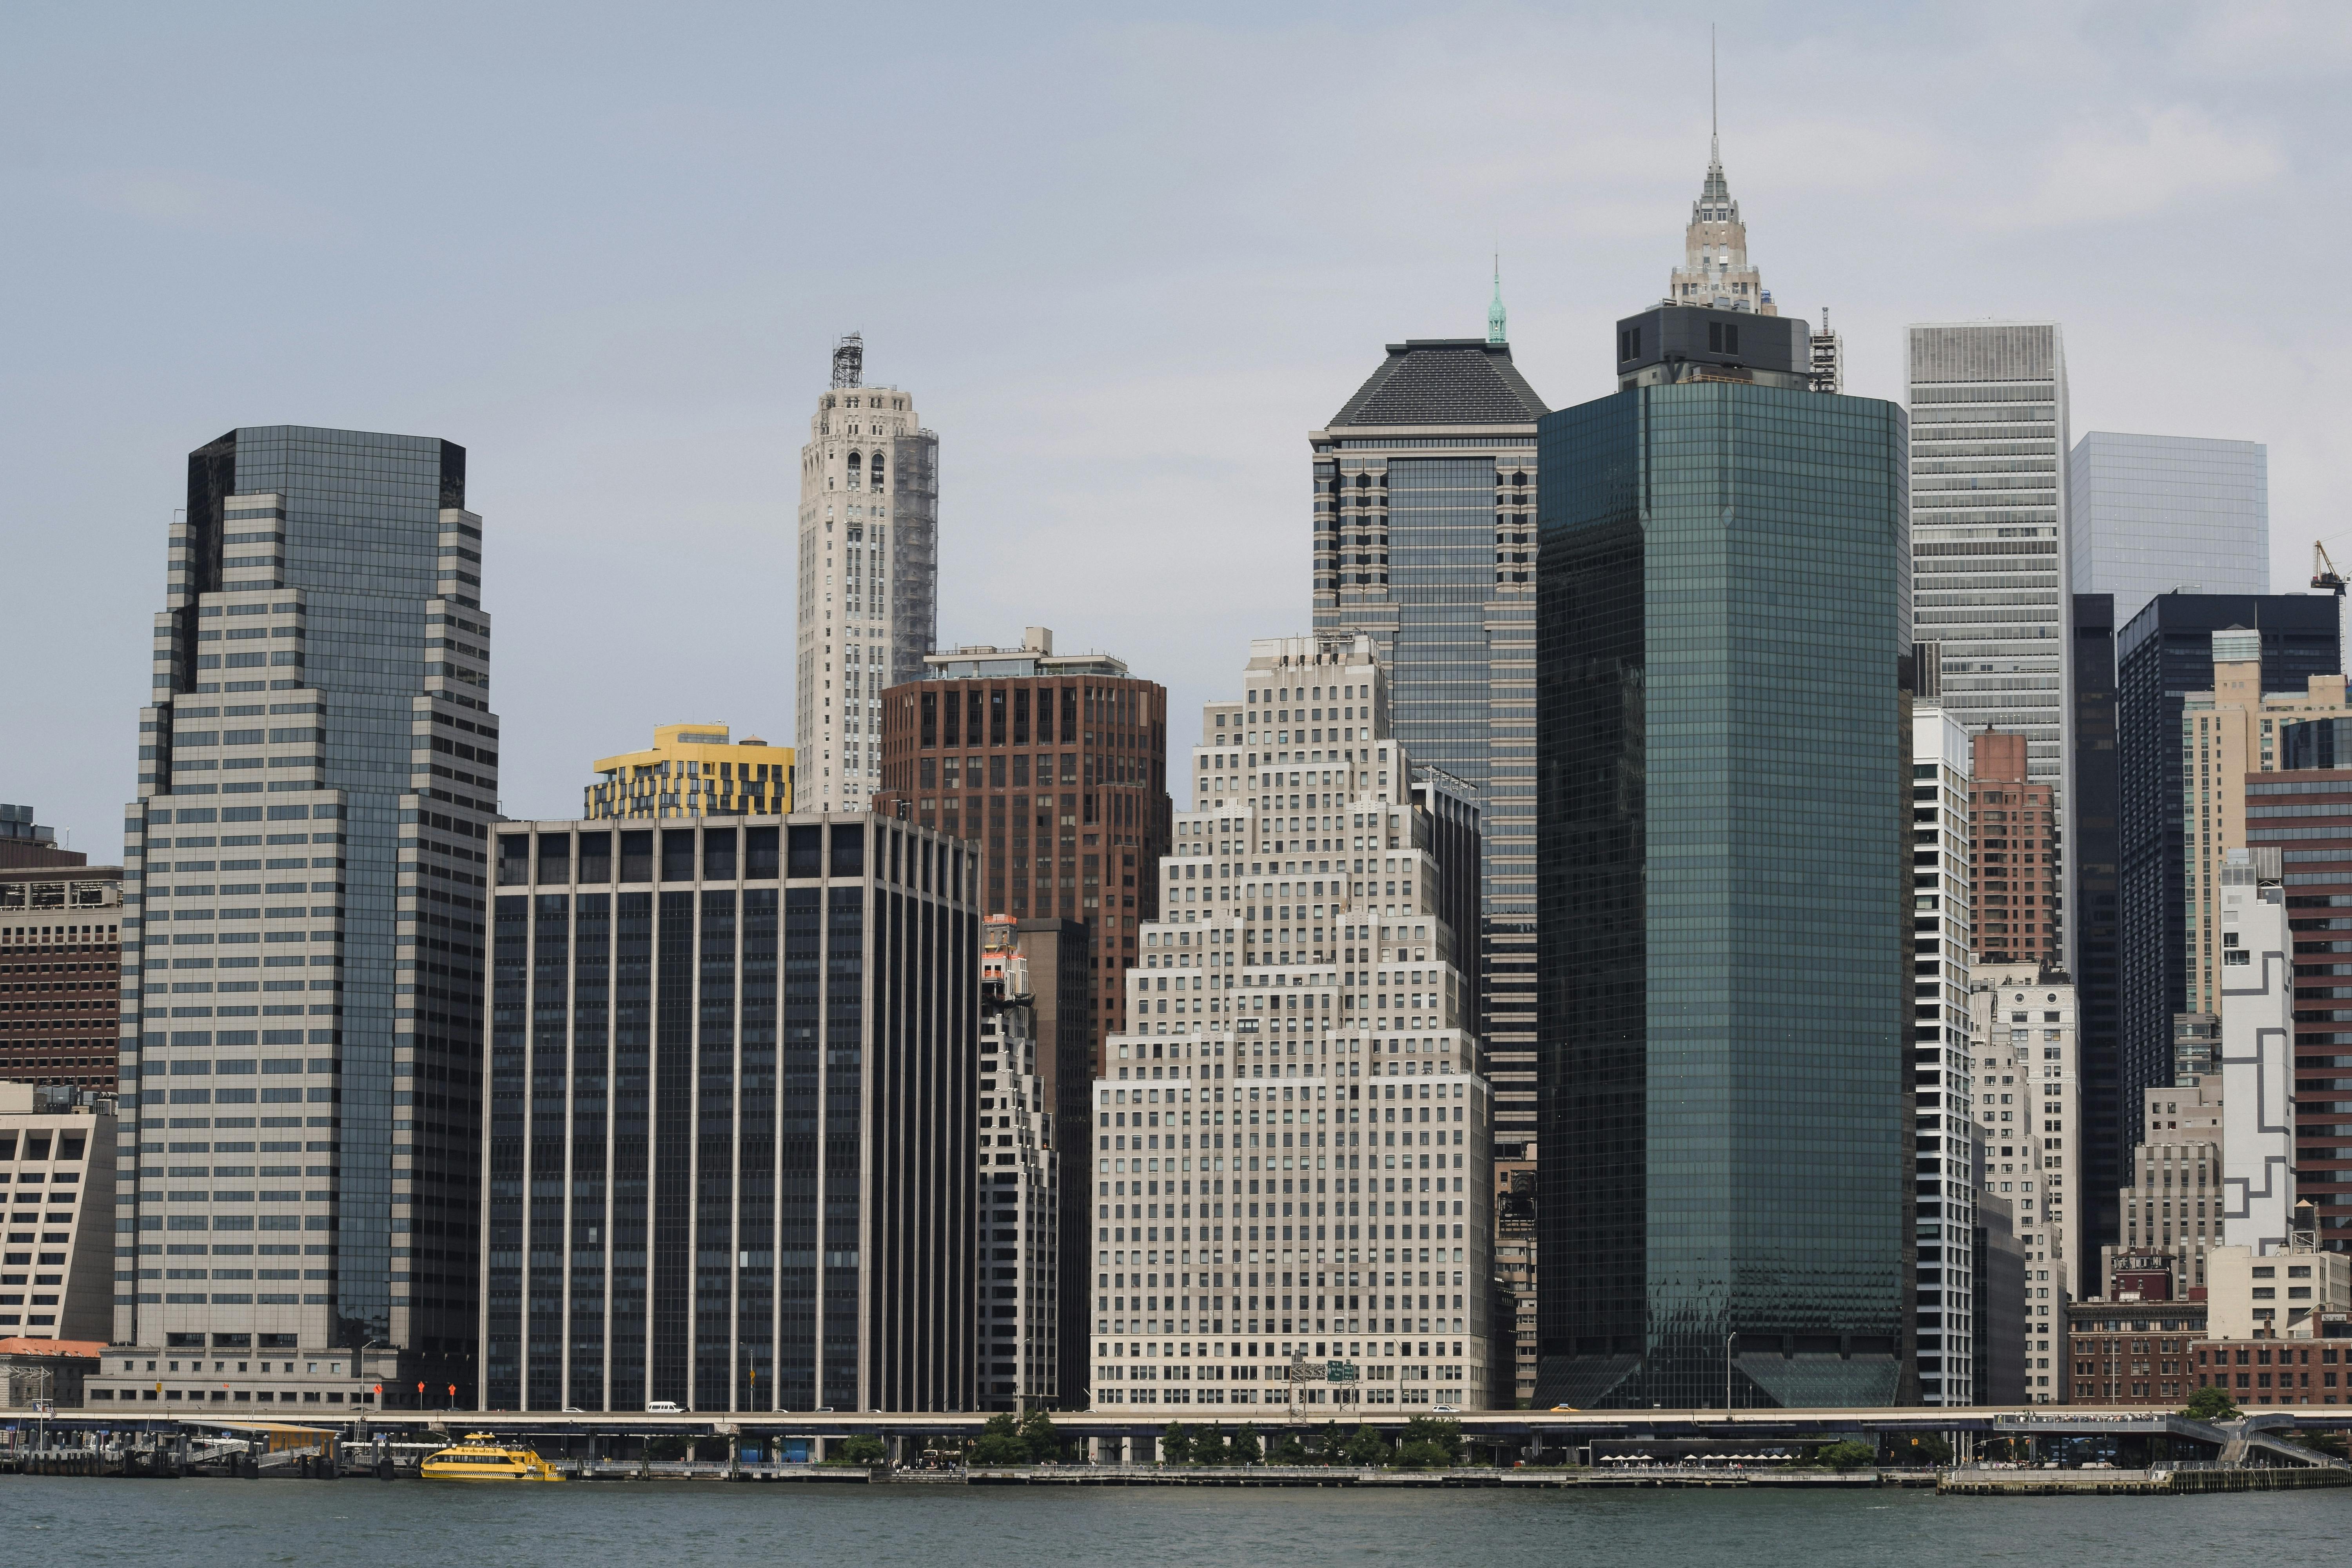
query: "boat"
483, 1458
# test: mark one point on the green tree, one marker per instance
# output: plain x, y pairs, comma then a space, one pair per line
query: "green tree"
1366, 1448
2331, 1443
1330, 1443
1924, 1449
1285, 1449
1209, 1447
665, 1451
1423, 1456
1245, 1447
1446, 1434
861, 1451
2211, 1404
1845, 1455
1037, 1431
1176, 1445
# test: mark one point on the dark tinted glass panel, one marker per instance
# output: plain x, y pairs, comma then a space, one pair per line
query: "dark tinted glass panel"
759, 852
808, 851
596, 856
637, 857
719, 854
848, 849
678, 855
555, 856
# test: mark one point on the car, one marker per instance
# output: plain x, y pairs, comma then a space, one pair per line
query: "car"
664, 1407
1441, 1409
1570, 1408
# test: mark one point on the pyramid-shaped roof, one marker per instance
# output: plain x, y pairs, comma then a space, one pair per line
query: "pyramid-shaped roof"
1444, 381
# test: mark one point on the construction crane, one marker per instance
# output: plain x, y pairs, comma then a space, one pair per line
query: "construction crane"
2323, 570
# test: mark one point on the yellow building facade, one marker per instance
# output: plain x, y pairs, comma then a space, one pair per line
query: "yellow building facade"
693, 770
2226, 734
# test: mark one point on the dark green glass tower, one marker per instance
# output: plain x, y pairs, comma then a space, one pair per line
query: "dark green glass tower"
1723, 616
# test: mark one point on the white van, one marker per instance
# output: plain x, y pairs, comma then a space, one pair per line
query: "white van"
664, 1407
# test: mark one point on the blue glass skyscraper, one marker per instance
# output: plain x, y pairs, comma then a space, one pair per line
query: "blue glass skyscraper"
1724, 883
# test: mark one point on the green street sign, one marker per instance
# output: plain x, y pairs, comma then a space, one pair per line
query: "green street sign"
1339, 1372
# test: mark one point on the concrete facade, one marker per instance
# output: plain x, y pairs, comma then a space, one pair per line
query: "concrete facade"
2027, 1093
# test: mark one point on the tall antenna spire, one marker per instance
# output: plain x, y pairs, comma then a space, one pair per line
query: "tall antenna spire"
1496, 330
1714, 122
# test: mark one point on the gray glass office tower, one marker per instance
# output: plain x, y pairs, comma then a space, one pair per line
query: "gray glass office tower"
1424, 540
732, 1084
1724, 883
2158, 514
2094, 894
2165, 653
318, 766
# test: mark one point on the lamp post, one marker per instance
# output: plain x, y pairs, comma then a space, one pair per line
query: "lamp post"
1728, 1339
359, 1360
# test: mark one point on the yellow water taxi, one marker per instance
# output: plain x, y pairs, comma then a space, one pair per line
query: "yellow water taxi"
482, 1458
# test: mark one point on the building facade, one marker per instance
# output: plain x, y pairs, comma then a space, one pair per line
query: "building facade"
303, 897
1057, 765
56, 1271
692, 770
2015, 873
1989, 444
868, 576
1942, 1059
2092, 865
60, 975
25, 843
2028, 1097
2171, 1207
2258, 1065
1017, 1317
1425, 542
2139, 1351
2163, 514
1310, 990
2168, 799
1719, 681
708, 1187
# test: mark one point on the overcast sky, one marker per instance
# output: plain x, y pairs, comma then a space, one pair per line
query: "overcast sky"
1124, 261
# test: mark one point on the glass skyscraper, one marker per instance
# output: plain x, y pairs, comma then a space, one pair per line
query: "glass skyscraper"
1425, 540
1725, 883
2158, 514
304, 879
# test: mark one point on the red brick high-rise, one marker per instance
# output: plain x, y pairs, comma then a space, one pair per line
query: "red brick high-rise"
2014, 873
60, 975
1057, 764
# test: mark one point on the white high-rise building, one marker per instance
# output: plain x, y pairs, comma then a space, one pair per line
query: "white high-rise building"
1991, 563
2151, 514
1940, 1058
869, 598
1292, 1136
2029, 1115
2257, 1053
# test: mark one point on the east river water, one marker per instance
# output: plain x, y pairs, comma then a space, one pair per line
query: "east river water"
420, 1524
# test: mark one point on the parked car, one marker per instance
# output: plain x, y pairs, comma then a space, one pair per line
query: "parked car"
664, 1407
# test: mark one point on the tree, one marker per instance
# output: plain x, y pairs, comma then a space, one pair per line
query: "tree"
1330, 1443
2331, 1443
1037, 1431
1424, 1455
1245, 1447
1446, 1434
1209, 1447
665, 1449
1176, 1445
1366, 1448
1285, 1449
2211, 1404
1927, 1449
1000, 1442
1845, 1455
862, 1451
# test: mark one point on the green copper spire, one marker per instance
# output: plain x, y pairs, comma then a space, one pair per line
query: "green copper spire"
1495, 315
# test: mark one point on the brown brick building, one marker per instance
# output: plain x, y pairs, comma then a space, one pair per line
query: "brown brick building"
2013, 867
1059, 765
60, 975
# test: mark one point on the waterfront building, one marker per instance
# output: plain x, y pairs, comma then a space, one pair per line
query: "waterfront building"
25, 843
1942, 808
1292, 1139
2028, 1099
868, 576
1724, 612
2258, 1065
2014, 872
2175, 819
1988, 446
305, 913
2139, 1351
692, 770
1018, 1218
57, 1273
2280, 1322
2163, 514
1425, 485
2006, 1372
737, 1199
60, 975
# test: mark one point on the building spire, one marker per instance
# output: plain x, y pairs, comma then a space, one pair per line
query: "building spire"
1496, 325
1715, 188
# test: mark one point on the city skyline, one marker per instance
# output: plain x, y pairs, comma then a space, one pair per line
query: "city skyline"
603, 399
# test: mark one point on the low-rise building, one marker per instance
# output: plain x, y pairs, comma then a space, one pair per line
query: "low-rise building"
57, 1161
27, 843
692, 770
32, 1370
2133, 1351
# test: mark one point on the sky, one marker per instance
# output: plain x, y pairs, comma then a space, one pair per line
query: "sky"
1124, 259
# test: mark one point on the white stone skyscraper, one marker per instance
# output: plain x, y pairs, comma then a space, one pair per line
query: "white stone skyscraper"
1716, 271
868, 577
